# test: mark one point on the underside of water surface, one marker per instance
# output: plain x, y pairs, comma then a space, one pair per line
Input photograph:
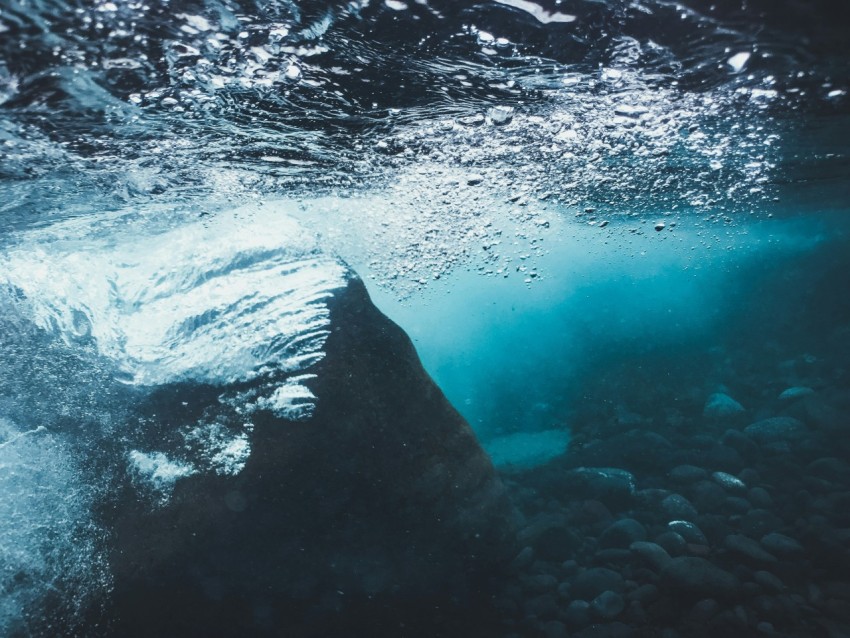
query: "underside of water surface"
398, 318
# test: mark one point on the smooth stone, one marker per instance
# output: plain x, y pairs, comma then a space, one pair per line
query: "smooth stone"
523, 559
610, 485
744, 445
705, 608
729, 482
687, 530
677, 506
780, 544
774, 429
760, 498
737, 505
645, 594
653, 555
577, 614
696, 577
707, 495
545, 606
592, 582
687, 474
555, 629
672, 542
748, 548
757, 523
829, 468
540, 583
622, 533
768, 581
607, 605
722, 406
612, 556
606, 630
795, 392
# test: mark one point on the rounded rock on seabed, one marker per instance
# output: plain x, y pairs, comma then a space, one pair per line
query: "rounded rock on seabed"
707, 495
687, 474
795, 392
722, 406
729, 482
776, 429
677, 506
672, 542
689, 531
768, 582
622, 533
592, 582
577, 614
555, 629
695, 577
607, 605
780, 544
759, 497
747, 548
652, 554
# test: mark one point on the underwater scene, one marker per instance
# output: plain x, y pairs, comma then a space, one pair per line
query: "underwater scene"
425, 318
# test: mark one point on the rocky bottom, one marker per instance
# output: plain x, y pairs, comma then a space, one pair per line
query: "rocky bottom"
708, 520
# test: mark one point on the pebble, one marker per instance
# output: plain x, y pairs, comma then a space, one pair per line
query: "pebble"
729, 482
672, 542
653, 554
760, 498
687, 474
612, 486
696, 577
677, 506
592, 582
775, 429
687, 530
722, 406
768, 581
780, 544
577, 614
707, 495
622, 533
748, 548
795, 392
607, 605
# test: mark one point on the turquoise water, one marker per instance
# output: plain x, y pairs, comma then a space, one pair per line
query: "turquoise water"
447, 319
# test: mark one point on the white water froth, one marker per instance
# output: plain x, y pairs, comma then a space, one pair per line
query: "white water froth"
214, 301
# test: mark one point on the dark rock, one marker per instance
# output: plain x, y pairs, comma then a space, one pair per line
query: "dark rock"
729, 483
672, 542
707, 495
606, 630
523, 559
781, 545
747, 548
543, 607
721, 406
622, 533
736, 505
678, 507
689, 531
687, 474
705, 609
612, 556
652, 554
607, 605
540, 583
829, 468
384, 495
760, 498
778, 428
555, 629
757, 523
644, 594
612, 486
592, 582
743, 444
577, 614
695, 577
550, 536
769, 582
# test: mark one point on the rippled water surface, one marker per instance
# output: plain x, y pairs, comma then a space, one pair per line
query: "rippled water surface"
590, 216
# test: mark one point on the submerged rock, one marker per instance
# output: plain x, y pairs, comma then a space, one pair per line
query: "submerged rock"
690, 576
383, 494
779, 428
722, 406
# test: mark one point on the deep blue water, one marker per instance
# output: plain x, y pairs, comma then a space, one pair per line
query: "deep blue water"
617, 234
